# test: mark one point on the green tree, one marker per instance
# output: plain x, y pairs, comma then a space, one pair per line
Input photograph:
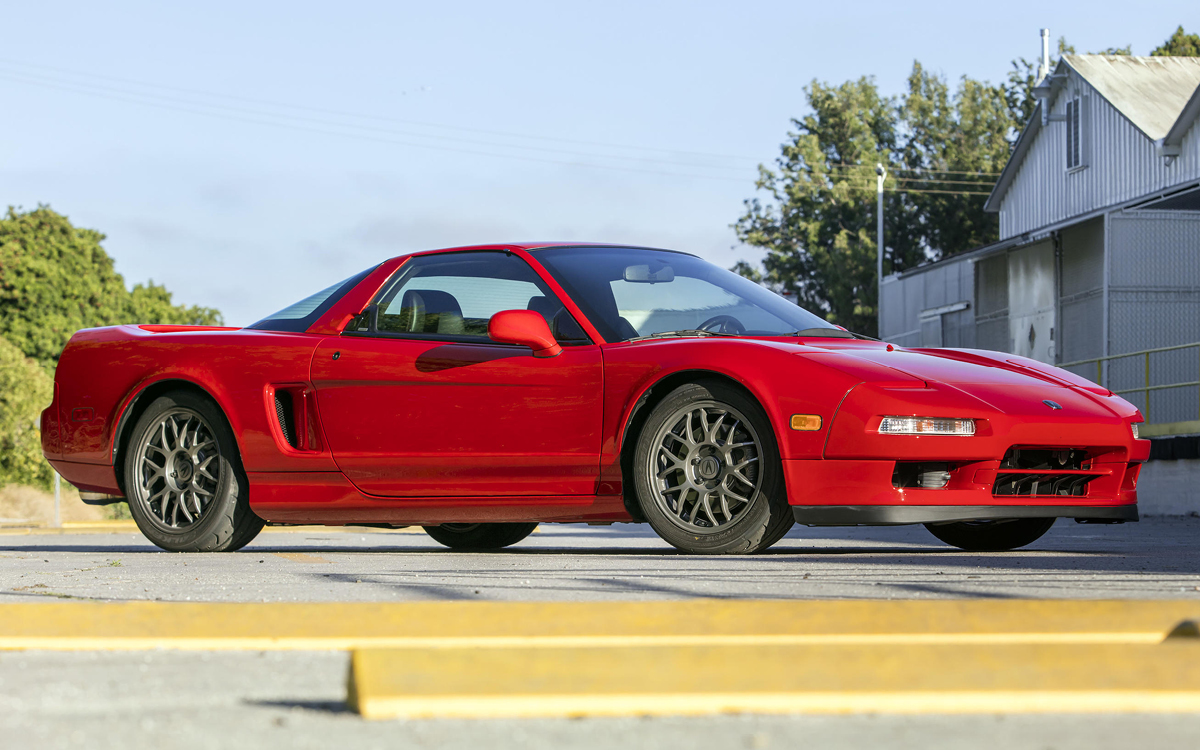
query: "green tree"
56, 278
25, 389
818, 230
1180, 44
954, 144
819, 227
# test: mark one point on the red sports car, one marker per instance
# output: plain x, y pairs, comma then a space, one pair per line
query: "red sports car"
480, 391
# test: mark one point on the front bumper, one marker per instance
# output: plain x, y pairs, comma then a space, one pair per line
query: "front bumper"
892, 515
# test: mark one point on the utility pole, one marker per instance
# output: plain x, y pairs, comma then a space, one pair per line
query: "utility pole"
880, 176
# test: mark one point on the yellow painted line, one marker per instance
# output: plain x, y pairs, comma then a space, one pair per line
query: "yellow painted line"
301, 557
533, 682
288, 643
499, 625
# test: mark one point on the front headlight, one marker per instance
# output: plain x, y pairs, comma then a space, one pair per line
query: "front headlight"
926, 426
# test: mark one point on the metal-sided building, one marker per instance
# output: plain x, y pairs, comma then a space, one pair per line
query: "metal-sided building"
1099, 256
1100, 236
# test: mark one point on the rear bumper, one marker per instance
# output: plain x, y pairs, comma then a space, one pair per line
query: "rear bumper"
891, 515
98, 479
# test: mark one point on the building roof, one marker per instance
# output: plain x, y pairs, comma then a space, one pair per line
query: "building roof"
1150, 91
1160, 96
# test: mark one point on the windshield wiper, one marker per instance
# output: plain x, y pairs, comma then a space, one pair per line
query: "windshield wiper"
680, 333
828, 333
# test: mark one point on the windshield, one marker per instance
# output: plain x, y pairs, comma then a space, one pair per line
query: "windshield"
632, 292
299, 316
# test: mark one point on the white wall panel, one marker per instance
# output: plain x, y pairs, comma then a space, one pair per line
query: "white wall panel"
1122, 166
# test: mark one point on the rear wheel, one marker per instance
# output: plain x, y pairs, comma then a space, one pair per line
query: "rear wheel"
183, 478
479, 536
707, 472
991, 536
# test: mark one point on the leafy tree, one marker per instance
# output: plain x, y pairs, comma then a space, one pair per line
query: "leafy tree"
55, 278
1179, 45
954, 143
25, 389
819, 229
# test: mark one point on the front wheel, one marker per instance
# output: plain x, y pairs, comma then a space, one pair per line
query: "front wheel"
183, 478
479, 536
707, 472
991, 536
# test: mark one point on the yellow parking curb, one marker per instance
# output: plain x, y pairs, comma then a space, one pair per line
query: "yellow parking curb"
506, 625
552, 682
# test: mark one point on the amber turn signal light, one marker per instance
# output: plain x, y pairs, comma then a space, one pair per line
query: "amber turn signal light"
806, 422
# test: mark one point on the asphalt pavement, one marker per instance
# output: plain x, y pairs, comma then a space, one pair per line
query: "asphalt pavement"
199, 699
1156, 558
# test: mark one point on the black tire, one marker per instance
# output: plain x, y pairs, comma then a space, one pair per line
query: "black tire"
991, 536
757, 516
479, 536
217, 518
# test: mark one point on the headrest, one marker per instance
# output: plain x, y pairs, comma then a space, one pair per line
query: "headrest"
544, 306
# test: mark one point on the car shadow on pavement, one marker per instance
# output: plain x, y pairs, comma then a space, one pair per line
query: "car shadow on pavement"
324, 707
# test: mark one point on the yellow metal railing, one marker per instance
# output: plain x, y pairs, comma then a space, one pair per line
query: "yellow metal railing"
1146, 387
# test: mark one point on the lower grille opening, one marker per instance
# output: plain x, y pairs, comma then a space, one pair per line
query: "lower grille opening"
286, 416
1048, 459
1042, 484
1044, 471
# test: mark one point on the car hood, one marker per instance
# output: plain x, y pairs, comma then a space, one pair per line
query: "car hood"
1004, 382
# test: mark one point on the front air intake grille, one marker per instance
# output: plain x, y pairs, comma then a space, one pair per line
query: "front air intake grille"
286, 416
1045, 459
1038, 484
1043, 471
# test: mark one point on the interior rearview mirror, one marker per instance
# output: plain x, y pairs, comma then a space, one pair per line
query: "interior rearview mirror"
644, 274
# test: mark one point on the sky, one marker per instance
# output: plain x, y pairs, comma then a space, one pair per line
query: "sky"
248, 154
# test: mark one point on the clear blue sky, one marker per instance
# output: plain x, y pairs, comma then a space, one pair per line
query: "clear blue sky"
246, 154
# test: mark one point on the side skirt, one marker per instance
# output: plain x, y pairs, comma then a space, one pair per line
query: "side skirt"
893, 515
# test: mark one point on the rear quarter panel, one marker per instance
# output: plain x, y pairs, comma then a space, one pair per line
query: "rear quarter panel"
102, 371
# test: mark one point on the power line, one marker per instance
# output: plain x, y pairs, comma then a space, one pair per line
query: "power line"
154, 98
871, 187
361, 116
919, 170
327, 127
256, 120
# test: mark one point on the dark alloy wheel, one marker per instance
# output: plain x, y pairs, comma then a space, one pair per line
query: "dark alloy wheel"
479, 536
183, 478
708, 474
991, 536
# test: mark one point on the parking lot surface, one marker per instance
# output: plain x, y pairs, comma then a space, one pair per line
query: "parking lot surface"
199, 699
1156, 558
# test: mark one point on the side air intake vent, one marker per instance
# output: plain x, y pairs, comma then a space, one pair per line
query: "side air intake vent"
286, 415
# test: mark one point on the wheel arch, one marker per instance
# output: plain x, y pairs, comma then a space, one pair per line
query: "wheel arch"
644, 404
137, 404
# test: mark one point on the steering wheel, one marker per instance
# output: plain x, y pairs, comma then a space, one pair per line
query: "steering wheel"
722, 324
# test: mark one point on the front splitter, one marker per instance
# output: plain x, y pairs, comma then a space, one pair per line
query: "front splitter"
899, 515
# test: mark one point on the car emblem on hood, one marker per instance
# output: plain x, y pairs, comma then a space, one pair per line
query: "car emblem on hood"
1052, 404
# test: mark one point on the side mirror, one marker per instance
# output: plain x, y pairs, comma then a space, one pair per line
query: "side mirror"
524, 327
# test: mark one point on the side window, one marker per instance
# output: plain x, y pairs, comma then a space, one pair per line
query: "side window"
453, 296
1076, 134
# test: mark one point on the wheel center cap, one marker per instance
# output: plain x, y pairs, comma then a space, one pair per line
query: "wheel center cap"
183, 468
708, 468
